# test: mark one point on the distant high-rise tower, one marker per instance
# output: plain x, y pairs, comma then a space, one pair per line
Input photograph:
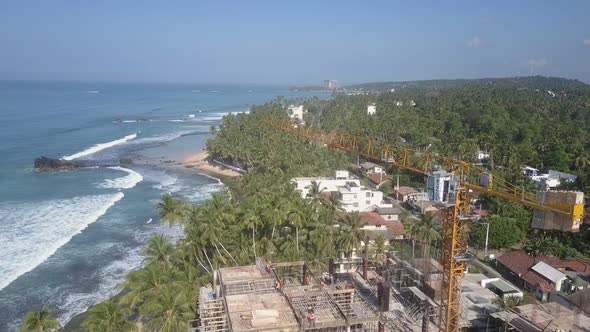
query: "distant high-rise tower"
330, 84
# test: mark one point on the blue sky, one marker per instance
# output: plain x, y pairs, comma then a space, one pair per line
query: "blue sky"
295, 42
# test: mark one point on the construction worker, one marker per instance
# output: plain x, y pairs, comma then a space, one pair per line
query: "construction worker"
311, 319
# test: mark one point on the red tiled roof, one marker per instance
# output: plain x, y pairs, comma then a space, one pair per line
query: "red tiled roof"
406, 190
517, 261
378, 178
520, 263
536, 280
372, 218
396, 228
578, 266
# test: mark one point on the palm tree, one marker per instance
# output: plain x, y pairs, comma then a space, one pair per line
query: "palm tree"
144, 284
334, 206
582, 162
315, 193
427, 233
266, 247
252, 219
541, 245
170, 311
107, 316
377, 249
206, 229
297, 218
351, 233
39, 321
159, 250
172, 210
411, 227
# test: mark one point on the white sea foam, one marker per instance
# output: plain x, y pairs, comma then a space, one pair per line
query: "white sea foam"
93, 91
160, 139
191, 115
170, 184
32, 232
111, 276
166, 181
203, 193
211, 177
129, 121
126, 182
176, 120
99, 147
215, 116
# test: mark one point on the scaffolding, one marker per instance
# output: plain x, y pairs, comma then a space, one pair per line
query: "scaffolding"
212, 312
282, 297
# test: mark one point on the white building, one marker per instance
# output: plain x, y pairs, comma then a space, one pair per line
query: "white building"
350, 193
353, 197
553, 275
326, 184
371, 109
481, 155
330, 84
440, 187
548, 180
529, 171
371, 168
296, 112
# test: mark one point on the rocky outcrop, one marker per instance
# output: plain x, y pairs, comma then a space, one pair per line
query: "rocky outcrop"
45, 164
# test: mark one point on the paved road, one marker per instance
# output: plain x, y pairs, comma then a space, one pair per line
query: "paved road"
485, 269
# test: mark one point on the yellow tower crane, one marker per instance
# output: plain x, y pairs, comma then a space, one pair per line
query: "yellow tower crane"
561, 210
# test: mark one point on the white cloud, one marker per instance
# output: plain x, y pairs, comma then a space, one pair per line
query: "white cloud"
586, 42
474, 42
541, 62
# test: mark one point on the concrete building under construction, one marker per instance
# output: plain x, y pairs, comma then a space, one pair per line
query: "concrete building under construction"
282, 297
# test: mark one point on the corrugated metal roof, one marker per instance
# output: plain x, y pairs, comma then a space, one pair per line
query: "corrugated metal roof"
368, 165
504, 287
548, 272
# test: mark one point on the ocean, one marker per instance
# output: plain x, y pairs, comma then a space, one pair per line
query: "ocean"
69, 238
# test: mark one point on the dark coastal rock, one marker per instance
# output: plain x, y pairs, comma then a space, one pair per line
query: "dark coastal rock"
46, 164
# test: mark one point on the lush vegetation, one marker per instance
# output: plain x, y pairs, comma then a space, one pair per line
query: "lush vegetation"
517, 121
262, 215
246, 141
39, 321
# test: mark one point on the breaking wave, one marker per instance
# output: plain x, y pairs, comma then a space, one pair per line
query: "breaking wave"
110, 278
32, 232
126, 182
100, 147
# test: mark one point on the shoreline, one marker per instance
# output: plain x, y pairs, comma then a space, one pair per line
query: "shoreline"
197, 162
200, 162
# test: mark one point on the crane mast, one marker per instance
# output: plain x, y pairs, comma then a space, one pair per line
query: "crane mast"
468, 178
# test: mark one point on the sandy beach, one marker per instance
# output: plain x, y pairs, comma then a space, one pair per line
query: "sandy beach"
199, 162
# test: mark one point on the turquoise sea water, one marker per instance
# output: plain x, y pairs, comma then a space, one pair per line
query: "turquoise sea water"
68, 238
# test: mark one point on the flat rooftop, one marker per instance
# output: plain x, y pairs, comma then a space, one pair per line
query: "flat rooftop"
260, 312
248, 300
242, 273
